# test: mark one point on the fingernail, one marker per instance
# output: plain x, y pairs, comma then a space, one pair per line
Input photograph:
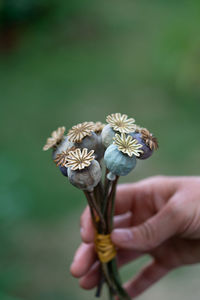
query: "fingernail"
122, 235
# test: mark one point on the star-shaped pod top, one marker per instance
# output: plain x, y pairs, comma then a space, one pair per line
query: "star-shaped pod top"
55, 139
150, 140
79, 159
98, 127
61, 158
148, 137
121, 123
127, 145
79, 131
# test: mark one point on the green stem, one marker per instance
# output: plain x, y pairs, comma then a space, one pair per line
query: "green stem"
112, 265
106, 200
113, 270
111, 294
112, 201
100, 285
98, 192
108, 278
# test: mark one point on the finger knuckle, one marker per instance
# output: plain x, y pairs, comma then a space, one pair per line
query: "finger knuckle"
149, 235
176, 211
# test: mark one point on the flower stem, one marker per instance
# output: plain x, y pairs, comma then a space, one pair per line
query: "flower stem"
112, 201
111, 294
108, 278
106, 200
92, 203
98, 192
122, 294
100, 285
91, 210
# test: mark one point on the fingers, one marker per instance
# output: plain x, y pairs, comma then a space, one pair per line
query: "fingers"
83, 260
146, 278
86, 267
131, 198
157, 188
87, 228
123, 221
85, 255
92, 277
149, 234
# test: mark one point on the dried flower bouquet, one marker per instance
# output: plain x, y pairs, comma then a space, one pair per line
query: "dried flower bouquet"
81, 156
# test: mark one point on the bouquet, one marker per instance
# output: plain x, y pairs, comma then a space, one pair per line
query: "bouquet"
93, 156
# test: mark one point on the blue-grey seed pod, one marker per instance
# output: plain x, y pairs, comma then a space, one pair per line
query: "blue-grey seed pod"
63, 146
107, 135
89, 142
117, 162
64, 170
147, 152
87, 178
100, 149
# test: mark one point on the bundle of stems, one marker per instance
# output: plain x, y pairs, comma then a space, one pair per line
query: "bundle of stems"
102, 204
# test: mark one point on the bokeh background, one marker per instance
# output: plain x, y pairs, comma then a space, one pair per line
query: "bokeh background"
64, 62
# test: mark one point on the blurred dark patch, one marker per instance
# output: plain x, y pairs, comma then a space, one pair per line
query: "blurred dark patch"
15, 16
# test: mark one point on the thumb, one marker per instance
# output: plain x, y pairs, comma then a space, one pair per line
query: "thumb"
149, 234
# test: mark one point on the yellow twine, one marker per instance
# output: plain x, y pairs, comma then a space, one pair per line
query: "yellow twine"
104, 247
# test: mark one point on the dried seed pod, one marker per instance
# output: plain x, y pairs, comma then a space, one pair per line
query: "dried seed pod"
100, 149
63, 170
127, 144
89, 142
87, 178
107, 135
81, 130
63, 147
55, 139
98, 127
117, 162
147, 140
121, 123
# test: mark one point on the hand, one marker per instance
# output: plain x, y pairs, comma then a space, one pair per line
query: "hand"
159, 216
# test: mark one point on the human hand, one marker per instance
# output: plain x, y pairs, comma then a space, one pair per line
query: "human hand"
159, 216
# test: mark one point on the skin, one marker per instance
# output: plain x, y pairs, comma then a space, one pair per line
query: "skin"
159, 216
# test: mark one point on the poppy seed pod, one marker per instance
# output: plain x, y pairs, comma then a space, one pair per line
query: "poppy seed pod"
64, 146
147, 152
117, 162
90, 142
100, 149
87, 178
64, 171
107, 135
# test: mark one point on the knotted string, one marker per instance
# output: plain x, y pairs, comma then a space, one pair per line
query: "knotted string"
104, 247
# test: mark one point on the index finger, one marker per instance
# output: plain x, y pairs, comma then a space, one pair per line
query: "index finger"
132, 197
126, 195
87, 228
145, 192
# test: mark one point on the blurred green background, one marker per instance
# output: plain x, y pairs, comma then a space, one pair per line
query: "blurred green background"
64, 62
